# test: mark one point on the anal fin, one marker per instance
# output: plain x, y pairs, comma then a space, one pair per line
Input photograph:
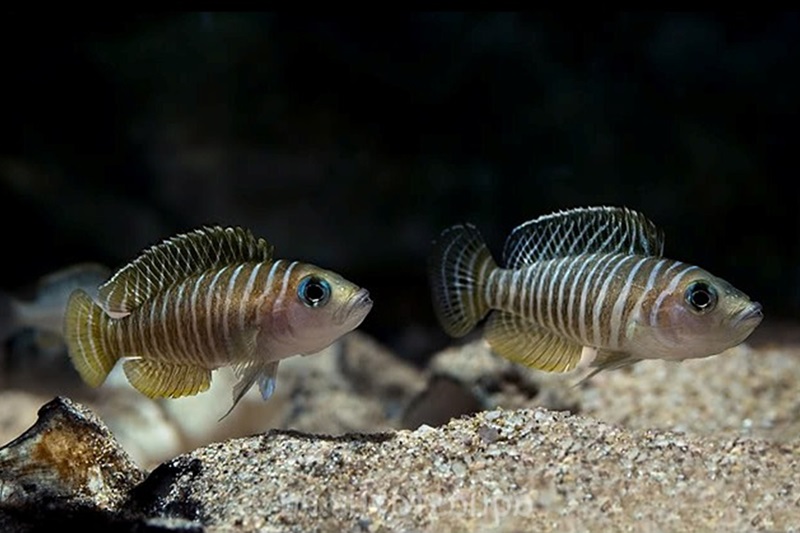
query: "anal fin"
523, 342
248, 374
160, 379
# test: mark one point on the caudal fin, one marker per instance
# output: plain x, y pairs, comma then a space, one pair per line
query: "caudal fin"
458, 270
85, 324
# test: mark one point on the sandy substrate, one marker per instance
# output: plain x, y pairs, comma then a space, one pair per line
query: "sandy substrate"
496, 471
704, 445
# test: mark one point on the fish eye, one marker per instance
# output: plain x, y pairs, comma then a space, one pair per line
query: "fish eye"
314, 291
701, 296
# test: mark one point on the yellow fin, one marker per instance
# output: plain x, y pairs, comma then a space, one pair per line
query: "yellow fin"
177, 258
526, 343
159, 379
84, 332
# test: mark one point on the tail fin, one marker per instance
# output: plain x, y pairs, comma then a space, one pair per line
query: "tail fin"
458, 269
85, 325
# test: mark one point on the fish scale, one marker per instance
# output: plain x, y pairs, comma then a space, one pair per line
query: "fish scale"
203, 300
585, 278
210, 301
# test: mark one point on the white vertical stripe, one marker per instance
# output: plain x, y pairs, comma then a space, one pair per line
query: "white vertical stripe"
619, 305
601, 299
588, 287
513, 281
669, 290
551, 297
186, 352
152, 324
202, 350
501, 288
248, 290
529, 297
634, 314
216, 349
128, 323
540, 300
487, 288
563, 308
169, 346
284, 284
229, 299
578, 281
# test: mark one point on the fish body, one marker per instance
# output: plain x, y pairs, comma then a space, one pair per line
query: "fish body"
203, 300
590, 278
45, 311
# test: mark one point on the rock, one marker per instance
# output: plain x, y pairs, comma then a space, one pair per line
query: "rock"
67, 460
703, 445
142, 427
743, 391
358, 386
494, 471
487, 381
443, 399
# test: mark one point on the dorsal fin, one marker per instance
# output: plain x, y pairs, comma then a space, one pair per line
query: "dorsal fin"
177, 258
582, 230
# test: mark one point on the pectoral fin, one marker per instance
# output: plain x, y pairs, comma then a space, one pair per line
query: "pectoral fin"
248, 374
159, 379
526, 343
608, 361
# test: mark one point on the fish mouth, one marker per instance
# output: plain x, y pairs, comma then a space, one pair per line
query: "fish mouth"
360, 304
751, 315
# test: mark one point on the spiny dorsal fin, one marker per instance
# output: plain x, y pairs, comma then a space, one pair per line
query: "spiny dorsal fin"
582, 230
177, 258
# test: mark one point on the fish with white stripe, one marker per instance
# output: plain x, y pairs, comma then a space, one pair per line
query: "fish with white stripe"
587, 282
206, 299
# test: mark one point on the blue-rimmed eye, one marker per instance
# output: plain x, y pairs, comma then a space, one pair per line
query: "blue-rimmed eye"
314, 291
701, 296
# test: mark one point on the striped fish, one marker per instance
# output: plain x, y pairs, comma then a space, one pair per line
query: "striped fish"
206, 299
585, 282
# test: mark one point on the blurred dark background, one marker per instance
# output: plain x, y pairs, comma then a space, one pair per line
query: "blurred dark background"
352, 141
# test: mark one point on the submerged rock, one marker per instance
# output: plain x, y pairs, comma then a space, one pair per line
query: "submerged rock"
500, 469
494, 471
68, 456
66, 467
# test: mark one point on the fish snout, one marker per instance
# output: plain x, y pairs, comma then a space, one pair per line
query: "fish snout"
751, 314
359, 305
361, 300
